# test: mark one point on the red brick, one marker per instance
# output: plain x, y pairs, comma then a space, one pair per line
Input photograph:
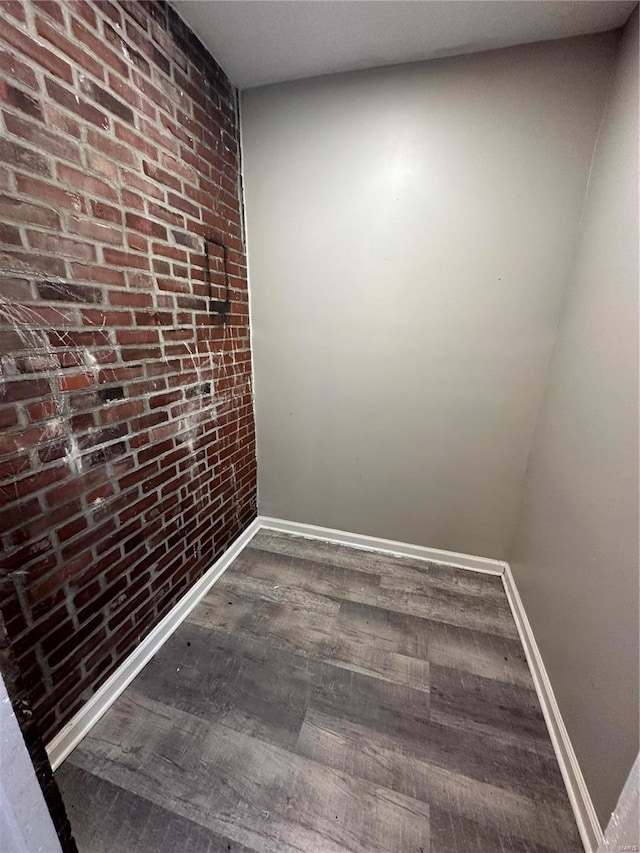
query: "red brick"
97, 163
14, 8
175, 129
114, 150
138, 336
48, 316
86, 183
30, 263
98, 48
132, 200
77, 54
124, 259
135, 11
99, 317
47, 242
36, 52
85, 11
10, 468
166, 215
141, 354
13, 67
79, 423
146, 226
105, 211
75, 381
131, 179
28, 557
170, 252
136, 141
69, 639
54, 291
182, 204
153, 171
137, 300
76, 105
137, 243
157, 97
51, 8
74, 488
46, 477
94, 231
131, 96
149, 49
42, 190
106, 100
61, 121
67, 531
23, 158
43, 139
124, 47
43, 410
83, 272
110, 9
19, 513
10, 234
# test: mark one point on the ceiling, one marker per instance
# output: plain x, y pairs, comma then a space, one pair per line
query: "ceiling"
269, 41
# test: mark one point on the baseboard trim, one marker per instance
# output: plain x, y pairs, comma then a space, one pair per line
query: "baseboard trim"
73, 732
385, 546
583, 810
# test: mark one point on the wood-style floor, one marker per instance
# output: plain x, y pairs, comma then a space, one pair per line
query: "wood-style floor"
323, 699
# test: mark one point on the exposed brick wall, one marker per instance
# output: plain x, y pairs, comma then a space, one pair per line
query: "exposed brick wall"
127, 452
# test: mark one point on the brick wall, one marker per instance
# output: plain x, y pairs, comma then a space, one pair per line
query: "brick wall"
127, 452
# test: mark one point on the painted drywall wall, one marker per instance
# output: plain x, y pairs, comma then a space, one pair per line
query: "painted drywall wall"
623, 829
25, 823
410, 234
575, 556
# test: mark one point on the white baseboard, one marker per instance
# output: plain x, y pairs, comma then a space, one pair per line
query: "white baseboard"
73, 732
386, 546
583, 810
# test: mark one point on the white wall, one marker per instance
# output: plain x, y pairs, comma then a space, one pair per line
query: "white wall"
410, 234
575, 556
25, 822
624, 825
